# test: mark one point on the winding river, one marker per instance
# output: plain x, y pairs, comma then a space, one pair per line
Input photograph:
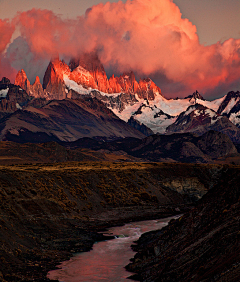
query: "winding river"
107, 259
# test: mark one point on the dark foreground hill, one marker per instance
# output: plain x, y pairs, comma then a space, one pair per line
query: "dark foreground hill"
49, 211
52, 152
212, 147
202, 245
178, 147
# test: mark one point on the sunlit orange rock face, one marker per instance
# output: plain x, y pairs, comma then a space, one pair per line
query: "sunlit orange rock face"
87, 71
37, 89
53, 82
147, 89
22, 80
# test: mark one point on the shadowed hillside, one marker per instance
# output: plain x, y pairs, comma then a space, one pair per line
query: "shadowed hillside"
49, 211
202, 245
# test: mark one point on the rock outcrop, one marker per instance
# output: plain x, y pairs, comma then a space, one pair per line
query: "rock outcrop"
202, 245
22, 81
12, 97
53, 81
229, 102
140, 126
36, 89
196, 95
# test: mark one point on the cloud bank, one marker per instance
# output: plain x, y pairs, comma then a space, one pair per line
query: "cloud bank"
148, 37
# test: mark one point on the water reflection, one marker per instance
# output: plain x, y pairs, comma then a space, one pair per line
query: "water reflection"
107, 259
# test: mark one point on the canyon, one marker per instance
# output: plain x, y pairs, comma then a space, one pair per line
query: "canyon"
202, 245
50, 211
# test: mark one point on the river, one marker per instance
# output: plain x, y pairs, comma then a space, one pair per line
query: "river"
107, 259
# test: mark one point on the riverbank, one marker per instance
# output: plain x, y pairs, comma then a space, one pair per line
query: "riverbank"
105, 262
202, 245
48, 212
43, 244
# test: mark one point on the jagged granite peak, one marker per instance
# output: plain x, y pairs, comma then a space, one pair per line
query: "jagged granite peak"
148, 89
229, 101
22, 80
37, 81
5, 80
127, 82
90, 62
54, 73
88, 71
196, 95
53, 81
36, 89
12, 97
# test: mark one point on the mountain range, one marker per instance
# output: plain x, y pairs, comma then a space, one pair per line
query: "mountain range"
78, 100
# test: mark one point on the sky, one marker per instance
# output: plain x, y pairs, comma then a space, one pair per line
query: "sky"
183, 45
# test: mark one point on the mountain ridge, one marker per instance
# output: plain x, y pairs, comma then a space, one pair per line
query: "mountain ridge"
138, 103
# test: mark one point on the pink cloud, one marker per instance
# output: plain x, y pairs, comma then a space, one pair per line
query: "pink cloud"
148, 37
6, 31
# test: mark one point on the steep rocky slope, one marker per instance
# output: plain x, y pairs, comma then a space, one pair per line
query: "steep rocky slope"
65, 120
47, 211
200, 119
202, 245
12, 97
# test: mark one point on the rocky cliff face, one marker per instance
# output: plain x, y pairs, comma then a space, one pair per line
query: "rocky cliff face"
22, 80
96, 78
53, 81
92, 73
202, 245
87, 72
195, 96
12, 97
139, 126
36, 89
196, 118
229, 102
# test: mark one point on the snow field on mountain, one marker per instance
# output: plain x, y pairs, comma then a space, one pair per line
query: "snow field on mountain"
3, 93
71, 84
150, 113
230, 105
235, 118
